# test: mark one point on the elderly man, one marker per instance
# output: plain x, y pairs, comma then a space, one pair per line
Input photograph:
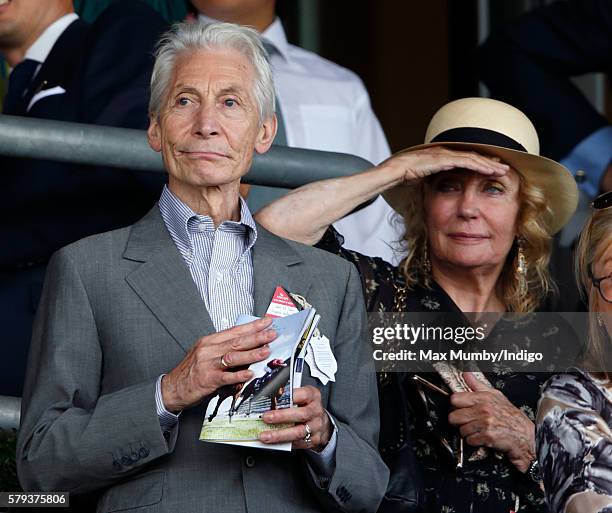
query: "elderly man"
133, 333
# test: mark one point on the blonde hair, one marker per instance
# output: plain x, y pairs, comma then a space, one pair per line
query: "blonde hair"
535, 240
595, 237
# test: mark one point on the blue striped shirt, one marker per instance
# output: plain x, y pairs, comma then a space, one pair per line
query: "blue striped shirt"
219, 259
220, 263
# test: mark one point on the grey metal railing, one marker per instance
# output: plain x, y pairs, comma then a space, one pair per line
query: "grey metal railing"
9, 412
127, 148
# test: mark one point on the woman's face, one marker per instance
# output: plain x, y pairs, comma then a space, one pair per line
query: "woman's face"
471, 218
602, 267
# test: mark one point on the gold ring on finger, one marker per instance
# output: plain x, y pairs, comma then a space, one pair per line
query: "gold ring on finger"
223, 362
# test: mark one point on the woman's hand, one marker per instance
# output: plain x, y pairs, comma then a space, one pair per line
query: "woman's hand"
305, 213
485, 417
414, 165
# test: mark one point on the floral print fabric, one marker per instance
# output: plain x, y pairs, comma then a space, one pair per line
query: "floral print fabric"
574, 442
489, 485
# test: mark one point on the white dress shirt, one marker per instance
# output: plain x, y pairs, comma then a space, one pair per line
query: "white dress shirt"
326, 107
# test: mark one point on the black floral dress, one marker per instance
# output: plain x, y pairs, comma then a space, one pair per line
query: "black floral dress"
488, 483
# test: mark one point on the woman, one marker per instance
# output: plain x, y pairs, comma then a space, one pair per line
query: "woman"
575, 414
478, 238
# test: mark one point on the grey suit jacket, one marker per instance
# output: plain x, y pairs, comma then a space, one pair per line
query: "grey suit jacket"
119, 309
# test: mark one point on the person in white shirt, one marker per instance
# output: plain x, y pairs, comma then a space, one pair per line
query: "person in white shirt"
323, 107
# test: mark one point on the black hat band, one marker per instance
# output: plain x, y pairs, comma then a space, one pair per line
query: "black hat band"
472, 135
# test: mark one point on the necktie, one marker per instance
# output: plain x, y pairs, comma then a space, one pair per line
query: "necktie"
19, 80
260, 195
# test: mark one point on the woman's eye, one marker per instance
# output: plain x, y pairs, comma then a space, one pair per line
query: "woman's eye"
493, 188
182, 101
447, 186
230, 102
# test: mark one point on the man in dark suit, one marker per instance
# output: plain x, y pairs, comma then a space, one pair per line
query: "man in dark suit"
65, 69
529, 64
134, 326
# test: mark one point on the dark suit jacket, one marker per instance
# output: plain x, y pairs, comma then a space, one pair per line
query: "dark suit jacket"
105, 70
529, 63
121, 308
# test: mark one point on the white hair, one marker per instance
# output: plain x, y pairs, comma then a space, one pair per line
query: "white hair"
185, 37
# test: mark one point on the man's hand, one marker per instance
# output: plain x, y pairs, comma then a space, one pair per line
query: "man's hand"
202, 371
486, 417
414, 165
309, 411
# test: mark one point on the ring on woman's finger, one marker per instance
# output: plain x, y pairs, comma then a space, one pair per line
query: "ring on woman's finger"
223, 362
308, 436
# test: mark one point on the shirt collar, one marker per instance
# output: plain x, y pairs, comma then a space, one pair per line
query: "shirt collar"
41, 48
275, 33
176, 216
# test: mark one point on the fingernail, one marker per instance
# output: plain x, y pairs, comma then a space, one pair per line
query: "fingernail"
265, 437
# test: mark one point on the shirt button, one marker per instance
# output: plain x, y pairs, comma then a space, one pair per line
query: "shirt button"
219, 276
249, 461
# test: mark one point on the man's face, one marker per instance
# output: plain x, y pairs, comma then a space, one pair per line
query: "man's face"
208, 126
16, 16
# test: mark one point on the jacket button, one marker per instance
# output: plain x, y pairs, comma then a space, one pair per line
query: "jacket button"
126, 462
249, 461
144, 452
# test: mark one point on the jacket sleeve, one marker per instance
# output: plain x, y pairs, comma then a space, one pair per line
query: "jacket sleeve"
72, 438
360, 478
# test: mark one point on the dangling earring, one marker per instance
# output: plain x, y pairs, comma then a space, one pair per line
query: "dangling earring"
425, 260
521, 268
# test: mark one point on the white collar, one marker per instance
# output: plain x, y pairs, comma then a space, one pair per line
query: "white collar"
41, 48
275, 33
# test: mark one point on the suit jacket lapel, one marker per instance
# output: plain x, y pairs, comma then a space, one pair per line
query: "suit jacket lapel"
63, 60
164, 282
275, 263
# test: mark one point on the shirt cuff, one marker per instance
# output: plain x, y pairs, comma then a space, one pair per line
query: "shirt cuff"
591, 156
323, 463
167, 420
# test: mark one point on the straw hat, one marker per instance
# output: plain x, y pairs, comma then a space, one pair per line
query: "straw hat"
495, 128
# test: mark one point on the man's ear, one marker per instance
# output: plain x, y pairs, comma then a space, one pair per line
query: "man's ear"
154, 133
266, 134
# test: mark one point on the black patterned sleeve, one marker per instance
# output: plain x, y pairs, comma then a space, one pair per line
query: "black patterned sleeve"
377, 276
574, 440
